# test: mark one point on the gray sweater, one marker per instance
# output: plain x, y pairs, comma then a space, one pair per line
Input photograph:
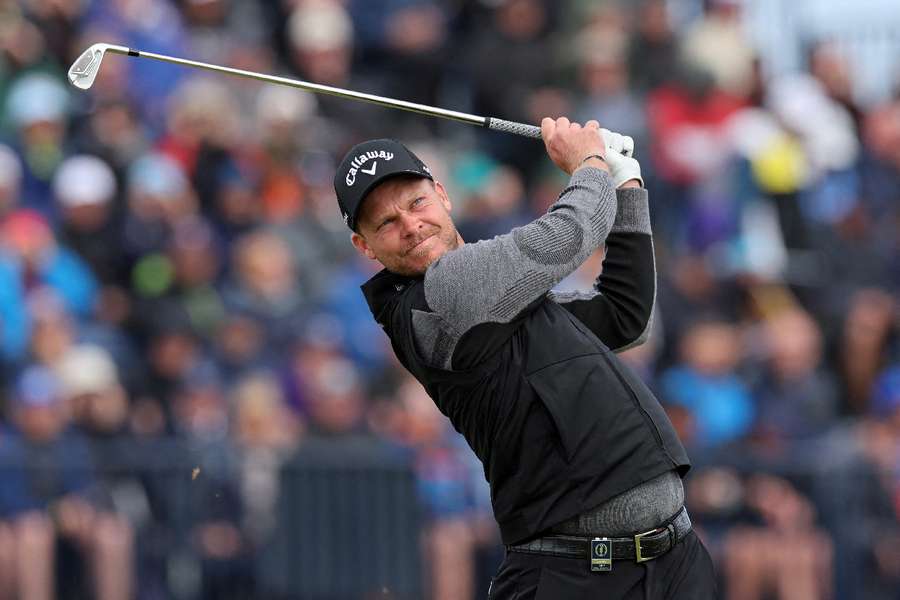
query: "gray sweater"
492, 281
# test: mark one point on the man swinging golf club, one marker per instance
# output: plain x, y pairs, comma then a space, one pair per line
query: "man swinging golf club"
584, 465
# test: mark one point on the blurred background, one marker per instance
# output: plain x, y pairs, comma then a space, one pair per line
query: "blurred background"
197, 404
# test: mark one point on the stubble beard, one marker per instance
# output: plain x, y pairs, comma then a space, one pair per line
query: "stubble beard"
410, 267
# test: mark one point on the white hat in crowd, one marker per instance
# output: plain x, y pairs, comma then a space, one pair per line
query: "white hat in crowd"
36, 98
86, 369
320, 26
83, 180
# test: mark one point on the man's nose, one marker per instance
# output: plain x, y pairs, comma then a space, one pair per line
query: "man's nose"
409, 224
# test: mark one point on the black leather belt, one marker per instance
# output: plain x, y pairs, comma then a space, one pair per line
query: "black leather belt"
601, 551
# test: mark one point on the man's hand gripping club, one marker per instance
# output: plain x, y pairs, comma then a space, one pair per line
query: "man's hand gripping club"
571, 147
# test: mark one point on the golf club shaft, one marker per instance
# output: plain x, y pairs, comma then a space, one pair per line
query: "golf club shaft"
489, 122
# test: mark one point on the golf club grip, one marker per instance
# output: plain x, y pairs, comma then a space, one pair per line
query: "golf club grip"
513, 127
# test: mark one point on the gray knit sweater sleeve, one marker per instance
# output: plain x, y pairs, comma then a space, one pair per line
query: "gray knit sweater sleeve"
494, 280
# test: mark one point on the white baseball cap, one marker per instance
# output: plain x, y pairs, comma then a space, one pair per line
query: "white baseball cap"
35, 98
83, 180
86, 369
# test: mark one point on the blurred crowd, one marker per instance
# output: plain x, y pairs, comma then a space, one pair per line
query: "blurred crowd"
173, 268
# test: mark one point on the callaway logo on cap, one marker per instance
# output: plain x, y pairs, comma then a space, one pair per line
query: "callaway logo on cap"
368, 164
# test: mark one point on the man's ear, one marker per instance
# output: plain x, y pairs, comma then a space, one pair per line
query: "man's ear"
360, 243
445, 198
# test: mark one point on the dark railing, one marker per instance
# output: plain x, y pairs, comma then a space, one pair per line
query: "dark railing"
344, 520
340, 518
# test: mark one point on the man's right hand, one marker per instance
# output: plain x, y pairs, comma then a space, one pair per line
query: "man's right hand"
569, 144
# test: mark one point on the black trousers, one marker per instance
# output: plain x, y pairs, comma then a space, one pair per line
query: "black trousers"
684, 573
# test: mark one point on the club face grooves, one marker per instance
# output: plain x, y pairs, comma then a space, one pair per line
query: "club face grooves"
84, 70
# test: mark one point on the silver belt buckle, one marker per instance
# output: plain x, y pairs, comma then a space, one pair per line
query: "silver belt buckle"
601, 555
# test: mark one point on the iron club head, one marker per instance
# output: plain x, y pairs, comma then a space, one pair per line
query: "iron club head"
84, 70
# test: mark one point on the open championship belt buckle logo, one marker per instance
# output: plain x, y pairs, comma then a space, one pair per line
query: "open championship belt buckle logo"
601, 554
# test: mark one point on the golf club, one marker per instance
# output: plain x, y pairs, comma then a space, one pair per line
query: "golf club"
84, 71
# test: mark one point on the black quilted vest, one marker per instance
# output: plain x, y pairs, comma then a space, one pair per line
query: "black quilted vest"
559, 422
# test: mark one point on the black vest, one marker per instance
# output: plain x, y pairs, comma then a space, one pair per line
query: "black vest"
559, 422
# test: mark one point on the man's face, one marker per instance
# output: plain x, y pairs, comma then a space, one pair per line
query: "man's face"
405, 224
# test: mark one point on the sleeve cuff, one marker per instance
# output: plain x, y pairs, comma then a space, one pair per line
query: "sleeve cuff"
633, 213
586, 175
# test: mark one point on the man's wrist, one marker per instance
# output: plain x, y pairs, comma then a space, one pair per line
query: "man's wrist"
594, 160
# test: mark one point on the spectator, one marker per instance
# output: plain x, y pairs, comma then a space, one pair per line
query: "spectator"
59, 22
321, 37
653, 48
496, 207
321, 41
326, 387
114, 131
284, 119
885, 441
866, 331
98, 406
240, 345
194, 258
30, 261
90, 387
201, 421
229, 30
138, 24
35, 258
159, 196
26, 48
718, 45
85, 190
514, 40
54, 329
687, 118
831, 68
344, 317
607, 95
705, 384
265, 286
47, 492
267, 431
788, 558
795, 398
406, 41
37, 107
444, 488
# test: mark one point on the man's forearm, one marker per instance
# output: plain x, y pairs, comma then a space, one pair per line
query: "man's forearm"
619, 309
632, 212
494, 280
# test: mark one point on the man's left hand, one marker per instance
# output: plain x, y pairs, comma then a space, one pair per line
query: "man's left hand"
624, 169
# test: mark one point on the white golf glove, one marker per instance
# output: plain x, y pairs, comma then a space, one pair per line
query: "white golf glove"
619, 150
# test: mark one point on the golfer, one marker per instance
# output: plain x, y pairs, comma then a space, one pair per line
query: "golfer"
584, 466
